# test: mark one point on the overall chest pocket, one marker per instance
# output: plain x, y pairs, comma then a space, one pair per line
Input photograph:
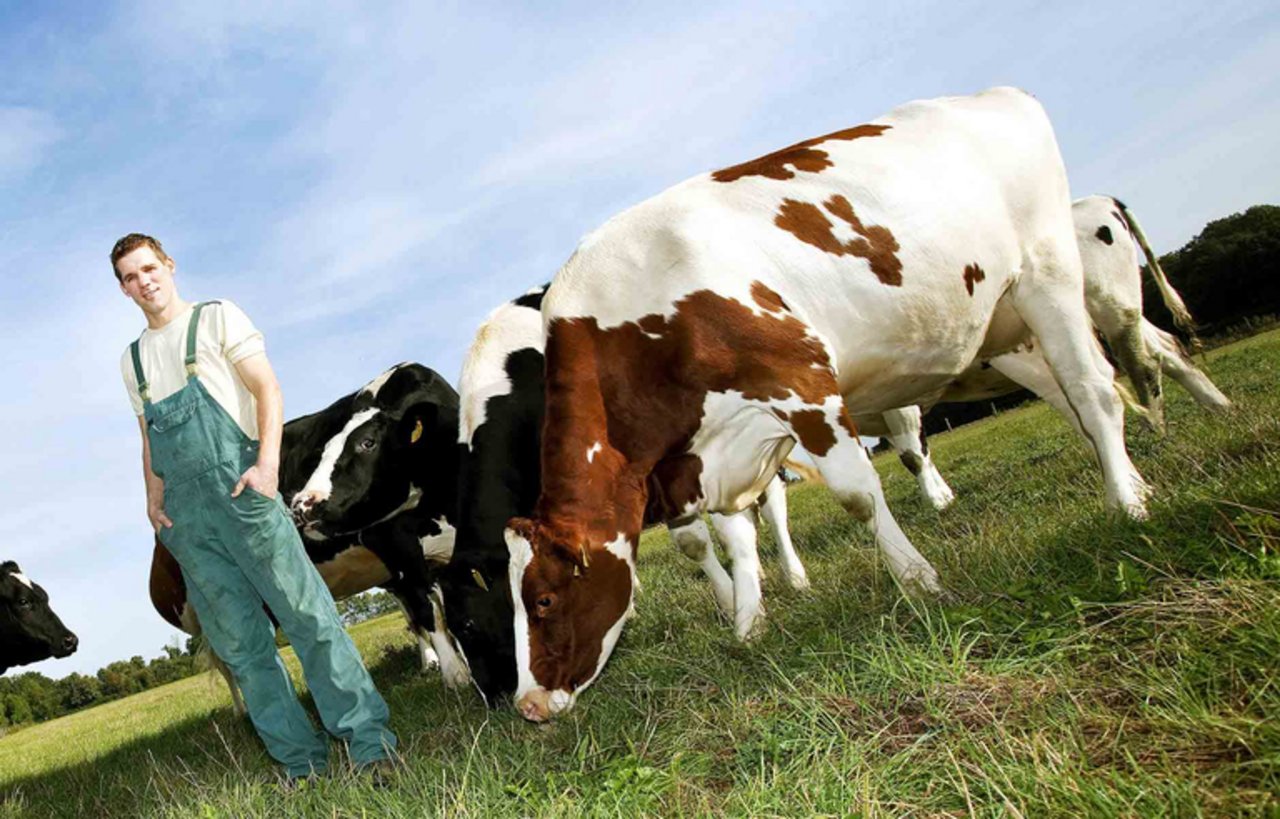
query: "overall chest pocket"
173, 419
178, 443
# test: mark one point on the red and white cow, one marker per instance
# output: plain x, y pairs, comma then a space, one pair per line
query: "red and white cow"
698, 335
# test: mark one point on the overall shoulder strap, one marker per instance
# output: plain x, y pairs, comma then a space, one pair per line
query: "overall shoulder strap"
144, 389
192, 329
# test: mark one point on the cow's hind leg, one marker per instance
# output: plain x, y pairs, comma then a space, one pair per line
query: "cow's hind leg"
773, 505
906, 436
1049, 299
1130, 349
694, 541
1175, 363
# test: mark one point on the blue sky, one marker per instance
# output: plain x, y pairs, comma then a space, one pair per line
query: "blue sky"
369, 180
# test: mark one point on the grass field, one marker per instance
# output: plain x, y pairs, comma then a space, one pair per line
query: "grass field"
1083, 666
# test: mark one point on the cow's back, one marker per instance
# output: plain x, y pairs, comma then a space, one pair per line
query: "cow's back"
905, 238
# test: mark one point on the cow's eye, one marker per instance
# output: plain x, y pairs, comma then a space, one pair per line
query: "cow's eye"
367, 445
544, 603
24, 603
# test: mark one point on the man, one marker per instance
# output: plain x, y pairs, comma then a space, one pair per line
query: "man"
210, 412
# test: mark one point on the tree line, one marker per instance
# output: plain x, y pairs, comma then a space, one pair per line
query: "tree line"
1229, 276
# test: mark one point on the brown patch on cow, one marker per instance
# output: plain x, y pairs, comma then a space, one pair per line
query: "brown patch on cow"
913, 462
810, 225
972, 275
1104, 233
803, 156
168, 589
847, 423
353, 570
639, 389
767, 298
673, 484
815, 434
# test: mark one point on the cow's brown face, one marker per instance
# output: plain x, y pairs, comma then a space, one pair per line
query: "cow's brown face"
570, 599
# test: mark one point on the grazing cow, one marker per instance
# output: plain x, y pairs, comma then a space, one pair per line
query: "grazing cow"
29, 630
502, 404
698, 335
371, 481
1105, 232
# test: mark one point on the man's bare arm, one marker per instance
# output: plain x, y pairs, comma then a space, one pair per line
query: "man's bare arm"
155, 486
263, 476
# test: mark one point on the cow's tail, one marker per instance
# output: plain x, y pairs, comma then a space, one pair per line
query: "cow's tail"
1173, 301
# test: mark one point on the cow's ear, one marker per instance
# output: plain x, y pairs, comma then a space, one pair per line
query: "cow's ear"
576, 552
417, 422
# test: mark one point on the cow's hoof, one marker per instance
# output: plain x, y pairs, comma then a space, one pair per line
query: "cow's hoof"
922, 584
798, 581
749, 629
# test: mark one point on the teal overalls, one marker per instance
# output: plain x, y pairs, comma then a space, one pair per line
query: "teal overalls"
238, 553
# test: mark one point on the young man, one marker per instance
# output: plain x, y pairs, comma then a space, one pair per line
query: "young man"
210, 412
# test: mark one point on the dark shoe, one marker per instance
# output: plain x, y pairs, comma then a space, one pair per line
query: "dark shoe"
381, 773
307, 781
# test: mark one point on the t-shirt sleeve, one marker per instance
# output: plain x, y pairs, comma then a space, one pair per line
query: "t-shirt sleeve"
130, 381
240, 339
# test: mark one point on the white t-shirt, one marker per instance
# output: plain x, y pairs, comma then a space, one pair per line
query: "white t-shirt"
224, 337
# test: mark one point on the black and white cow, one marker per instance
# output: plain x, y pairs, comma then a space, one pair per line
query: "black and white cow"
500, 434
371, 481
29, 630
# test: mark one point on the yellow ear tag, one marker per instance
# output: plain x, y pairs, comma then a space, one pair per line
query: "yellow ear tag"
586, 561
577, 572
475, 574
417, 432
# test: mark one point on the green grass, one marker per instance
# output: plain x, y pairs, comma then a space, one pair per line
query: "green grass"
1082, 665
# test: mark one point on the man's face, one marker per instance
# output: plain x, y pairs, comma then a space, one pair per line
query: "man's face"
147, 280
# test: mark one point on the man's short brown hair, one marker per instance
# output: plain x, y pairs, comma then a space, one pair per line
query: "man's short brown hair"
132, 242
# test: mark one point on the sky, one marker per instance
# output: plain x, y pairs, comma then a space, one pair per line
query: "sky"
369, 180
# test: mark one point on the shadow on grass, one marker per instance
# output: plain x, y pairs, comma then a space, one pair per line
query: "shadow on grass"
220, 751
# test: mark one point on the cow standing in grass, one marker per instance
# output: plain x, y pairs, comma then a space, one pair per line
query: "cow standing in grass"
698, 335
502, 405
29, 630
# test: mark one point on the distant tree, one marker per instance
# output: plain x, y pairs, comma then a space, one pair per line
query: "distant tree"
76, 691
18, 709
1229, 272
366, 606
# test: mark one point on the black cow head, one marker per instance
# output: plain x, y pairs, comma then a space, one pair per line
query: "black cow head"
29, 630
371, 471
478, 613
